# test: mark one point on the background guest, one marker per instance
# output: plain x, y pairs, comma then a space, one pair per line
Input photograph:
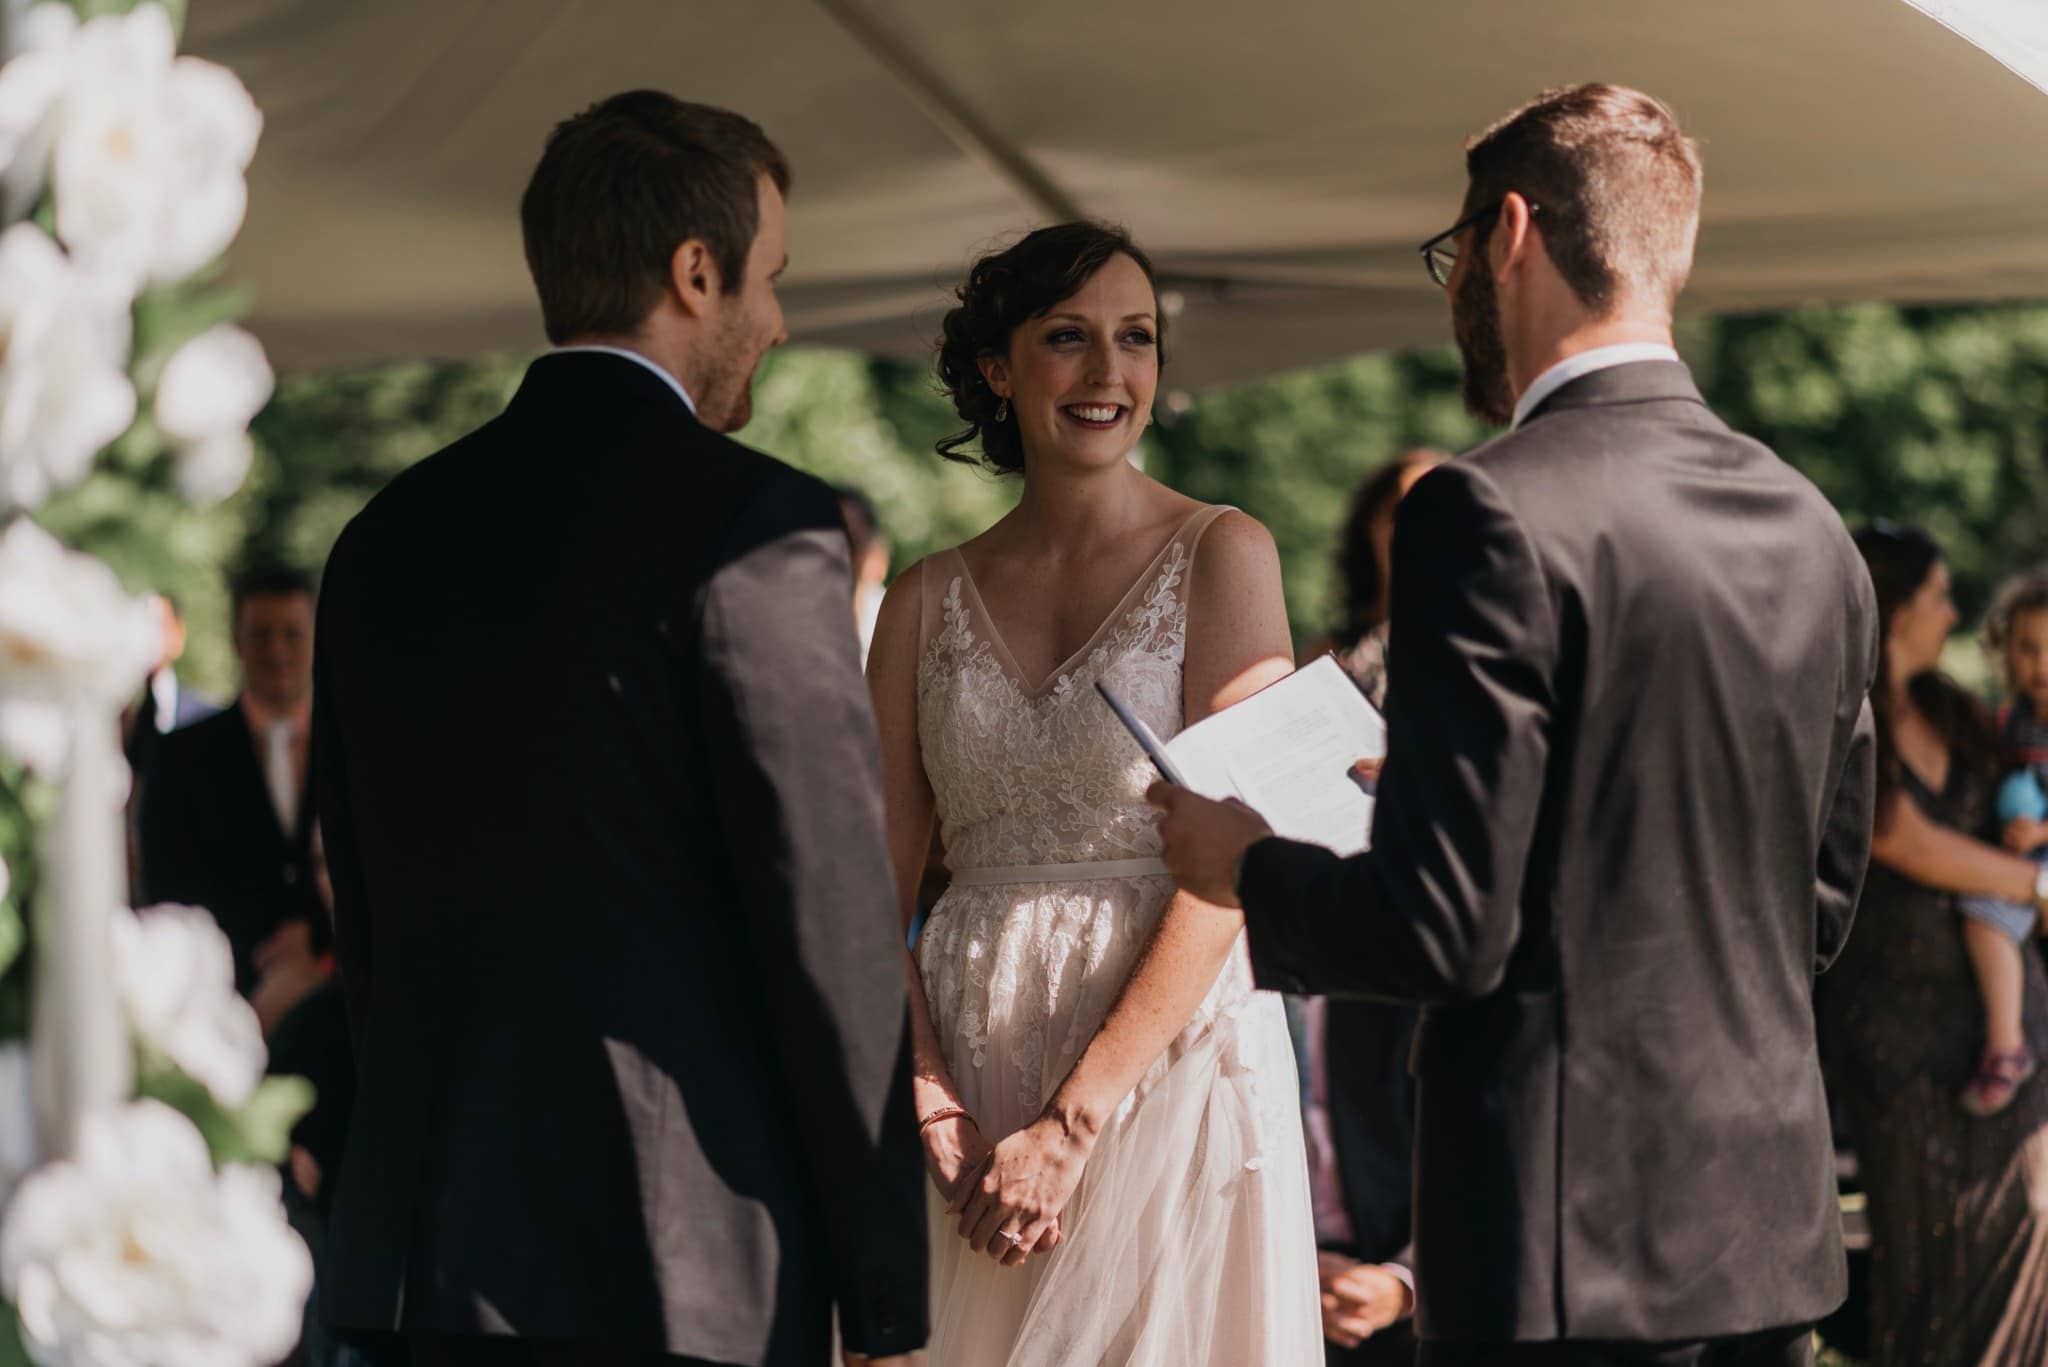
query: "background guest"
1997, 932
871, 550
166, 703
311, 1041
1359, 1108
1363, 556
226, 822
1358, 1100
1958, 1205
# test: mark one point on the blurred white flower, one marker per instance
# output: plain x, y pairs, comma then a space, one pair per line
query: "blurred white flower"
36, 734
30, 86
17, 1118
145, 150
136, 1253
69, 635
175, 975
64, 390
211, 388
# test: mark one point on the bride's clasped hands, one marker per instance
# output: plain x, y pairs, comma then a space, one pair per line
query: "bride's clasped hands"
1010, 1205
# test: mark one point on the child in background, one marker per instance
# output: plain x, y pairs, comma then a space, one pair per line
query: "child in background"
1994, 931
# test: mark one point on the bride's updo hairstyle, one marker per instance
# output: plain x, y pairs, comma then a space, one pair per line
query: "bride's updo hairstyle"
1005, 290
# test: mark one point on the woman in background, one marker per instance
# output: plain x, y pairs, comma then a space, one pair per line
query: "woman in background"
1958, 1205
1358, 1102
1364, 557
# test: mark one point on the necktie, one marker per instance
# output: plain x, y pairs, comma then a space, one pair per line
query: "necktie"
281, 774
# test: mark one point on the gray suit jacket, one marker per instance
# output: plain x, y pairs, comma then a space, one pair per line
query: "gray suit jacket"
1623, 822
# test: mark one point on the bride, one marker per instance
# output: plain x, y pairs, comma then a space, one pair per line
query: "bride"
1109, 1111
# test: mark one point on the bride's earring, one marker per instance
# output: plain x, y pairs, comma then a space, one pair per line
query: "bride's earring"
1003, 411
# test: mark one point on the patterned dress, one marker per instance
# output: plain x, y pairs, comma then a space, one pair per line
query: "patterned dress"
1189, 1240
1958, 1205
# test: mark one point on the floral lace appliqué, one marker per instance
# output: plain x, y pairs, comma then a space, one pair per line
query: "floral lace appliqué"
1037, 777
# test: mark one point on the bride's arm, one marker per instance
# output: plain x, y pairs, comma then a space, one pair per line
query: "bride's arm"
953, 1146
1237, 644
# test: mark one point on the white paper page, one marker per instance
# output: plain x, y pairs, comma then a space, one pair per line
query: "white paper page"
1287, 751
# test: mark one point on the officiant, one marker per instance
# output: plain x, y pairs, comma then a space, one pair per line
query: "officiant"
1625, 809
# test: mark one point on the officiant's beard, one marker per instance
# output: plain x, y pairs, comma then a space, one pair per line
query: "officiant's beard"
1475, 321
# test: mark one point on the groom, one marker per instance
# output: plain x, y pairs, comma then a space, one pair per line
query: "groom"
601, 799
1626, 806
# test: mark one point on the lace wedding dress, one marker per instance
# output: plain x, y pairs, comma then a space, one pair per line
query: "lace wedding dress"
1189, 1240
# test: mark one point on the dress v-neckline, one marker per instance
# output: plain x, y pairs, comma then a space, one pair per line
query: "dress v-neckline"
1116, 614
1919, 781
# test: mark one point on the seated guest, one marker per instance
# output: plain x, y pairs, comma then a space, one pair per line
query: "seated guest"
226, 822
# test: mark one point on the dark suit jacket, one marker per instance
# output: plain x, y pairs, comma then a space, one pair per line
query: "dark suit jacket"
144, 740
616, 924
210, 838
1623, 822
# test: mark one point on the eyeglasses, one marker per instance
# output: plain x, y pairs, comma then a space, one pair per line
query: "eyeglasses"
1440, 253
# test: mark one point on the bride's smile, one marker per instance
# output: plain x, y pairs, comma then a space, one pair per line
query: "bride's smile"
1096, 417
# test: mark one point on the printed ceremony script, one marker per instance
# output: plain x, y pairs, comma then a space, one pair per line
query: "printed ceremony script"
1286, 752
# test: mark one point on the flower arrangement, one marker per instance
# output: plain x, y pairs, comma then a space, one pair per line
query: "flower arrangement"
140, 1214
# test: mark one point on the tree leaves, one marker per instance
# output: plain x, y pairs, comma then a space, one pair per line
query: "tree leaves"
13, 1352
1934, 415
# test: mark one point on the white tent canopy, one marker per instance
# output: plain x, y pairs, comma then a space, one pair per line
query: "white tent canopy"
1280, 159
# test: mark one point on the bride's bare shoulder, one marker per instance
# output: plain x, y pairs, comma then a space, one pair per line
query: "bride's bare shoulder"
1236, 557
1234, 536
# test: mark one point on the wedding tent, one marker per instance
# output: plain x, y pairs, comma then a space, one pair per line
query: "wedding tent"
1281, 159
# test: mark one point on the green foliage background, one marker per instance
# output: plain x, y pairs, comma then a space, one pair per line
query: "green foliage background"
1934, 415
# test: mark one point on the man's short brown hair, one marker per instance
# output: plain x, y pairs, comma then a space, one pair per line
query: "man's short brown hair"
1616, 182
620, 187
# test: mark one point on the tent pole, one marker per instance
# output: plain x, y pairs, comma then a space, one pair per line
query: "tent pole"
953, 115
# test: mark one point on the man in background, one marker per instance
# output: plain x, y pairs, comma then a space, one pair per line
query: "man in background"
226, 822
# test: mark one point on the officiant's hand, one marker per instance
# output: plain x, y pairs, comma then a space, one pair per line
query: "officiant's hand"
1205, 840
1013, 1209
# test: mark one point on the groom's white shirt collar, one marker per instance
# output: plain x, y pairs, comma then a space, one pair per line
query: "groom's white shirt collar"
671, 381
1585, 363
